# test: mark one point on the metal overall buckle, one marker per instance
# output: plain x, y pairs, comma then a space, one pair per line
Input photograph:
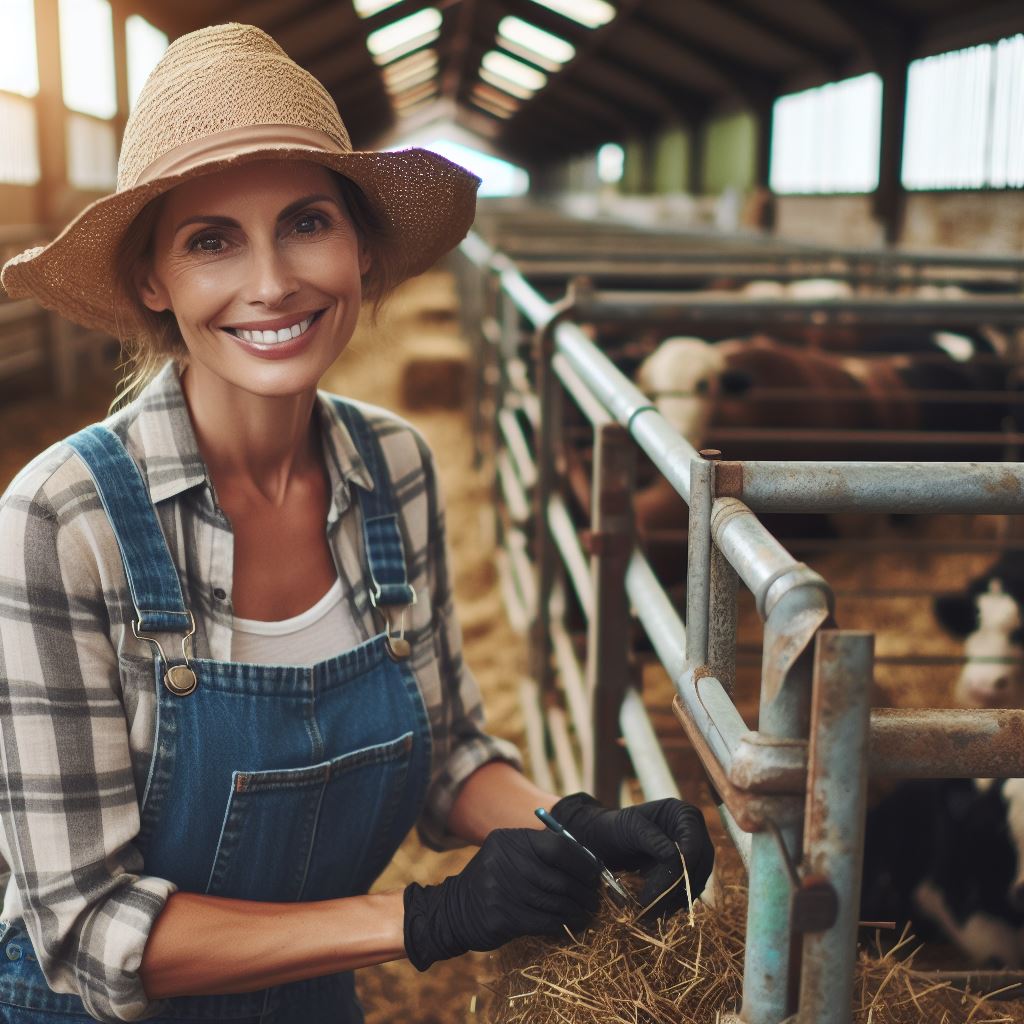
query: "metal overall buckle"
181, 680
396, 645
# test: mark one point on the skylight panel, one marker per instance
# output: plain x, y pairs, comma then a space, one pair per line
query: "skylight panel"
488, 107
534, 41
415, 69
396, 83
404, 36
496, 96
367, 8
514, 70
590, 13
501, 82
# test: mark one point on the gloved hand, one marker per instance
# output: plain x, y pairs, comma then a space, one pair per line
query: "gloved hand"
521, 882
643, 838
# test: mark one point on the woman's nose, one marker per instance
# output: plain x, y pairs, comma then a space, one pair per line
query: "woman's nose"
272, 279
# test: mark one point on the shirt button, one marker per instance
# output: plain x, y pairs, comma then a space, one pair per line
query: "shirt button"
13, 952
220, 593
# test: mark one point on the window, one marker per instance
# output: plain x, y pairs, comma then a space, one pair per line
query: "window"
19, 75
19, 155
965, 111
145, 45
92, 153
611, 159
19, 71
87, 57
827, 139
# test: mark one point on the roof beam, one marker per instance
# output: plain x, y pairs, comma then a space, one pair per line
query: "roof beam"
663, 99
876, 28
749, 83
624, 108
813, 51
270, 15
324, 64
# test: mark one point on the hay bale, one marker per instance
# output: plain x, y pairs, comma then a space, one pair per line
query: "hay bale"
688, 970
436, 374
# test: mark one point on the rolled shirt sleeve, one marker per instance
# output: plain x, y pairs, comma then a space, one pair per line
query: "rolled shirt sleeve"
69, 806
466, 746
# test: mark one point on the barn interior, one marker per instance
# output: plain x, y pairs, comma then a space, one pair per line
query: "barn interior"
832, 185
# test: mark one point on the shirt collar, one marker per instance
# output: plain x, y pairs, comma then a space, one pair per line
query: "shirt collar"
172, 463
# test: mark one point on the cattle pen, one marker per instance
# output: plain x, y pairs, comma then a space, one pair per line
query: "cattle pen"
792, 792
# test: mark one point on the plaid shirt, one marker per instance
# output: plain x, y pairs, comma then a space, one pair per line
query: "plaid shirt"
77, 704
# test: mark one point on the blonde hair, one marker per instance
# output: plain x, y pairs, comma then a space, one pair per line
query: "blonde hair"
154, 338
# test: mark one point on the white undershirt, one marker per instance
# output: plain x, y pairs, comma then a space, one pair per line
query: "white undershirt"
314, 635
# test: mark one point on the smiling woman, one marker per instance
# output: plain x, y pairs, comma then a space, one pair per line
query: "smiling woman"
233, 673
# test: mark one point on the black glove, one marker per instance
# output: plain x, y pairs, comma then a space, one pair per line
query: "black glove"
521, 882
643, 838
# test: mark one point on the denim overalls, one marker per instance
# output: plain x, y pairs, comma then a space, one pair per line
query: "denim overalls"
267, 782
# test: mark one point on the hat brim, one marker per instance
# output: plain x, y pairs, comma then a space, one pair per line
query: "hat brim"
426, 202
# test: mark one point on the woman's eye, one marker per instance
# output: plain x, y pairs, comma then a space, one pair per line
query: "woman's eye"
206, 243
309, 223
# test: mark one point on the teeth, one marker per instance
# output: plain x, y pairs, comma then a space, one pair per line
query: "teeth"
272, 337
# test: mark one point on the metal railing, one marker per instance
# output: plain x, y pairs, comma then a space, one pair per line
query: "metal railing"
792, 792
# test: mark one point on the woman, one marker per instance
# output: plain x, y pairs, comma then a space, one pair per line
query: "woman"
231, 669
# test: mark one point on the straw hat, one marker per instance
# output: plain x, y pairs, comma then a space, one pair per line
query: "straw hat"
224, 96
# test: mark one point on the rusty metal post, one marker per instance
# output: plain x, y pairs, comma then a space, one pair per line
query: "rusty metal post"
834, 822
611, 544
791, 622
698, 560
722, 620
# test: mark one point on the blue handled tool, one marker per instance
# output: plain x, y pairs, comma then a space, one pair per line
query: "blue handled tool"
624, 898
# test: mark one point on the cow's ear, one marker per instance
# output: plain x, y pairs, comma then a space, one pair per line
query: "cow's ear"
957, 613
735, 382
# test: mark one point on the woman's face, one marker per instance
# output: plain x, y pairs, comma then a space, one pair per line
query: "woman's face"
261, 267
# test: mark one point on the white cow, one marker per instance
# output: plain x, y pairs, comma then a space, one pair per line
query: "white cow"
988, 618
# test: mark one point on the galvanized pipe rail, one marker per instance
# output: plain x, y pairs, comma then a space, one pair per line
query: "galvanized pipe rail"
781, 783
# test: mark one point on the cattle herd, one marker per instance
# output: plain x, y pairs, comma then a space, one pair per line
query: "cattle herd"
945, 855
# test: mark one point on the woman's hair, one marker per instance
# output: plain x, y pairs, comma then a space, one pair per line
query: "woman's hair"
155, 338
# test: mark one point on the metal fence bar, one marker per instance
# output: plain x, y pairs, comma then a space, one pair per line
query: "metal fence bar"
698, 561
563, 532
611, 542
644, 307
830, 486
834, 824
652, 770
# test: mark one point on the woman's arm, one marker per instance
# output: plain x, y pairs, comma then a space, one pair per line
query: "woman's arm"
203, 945
496, 795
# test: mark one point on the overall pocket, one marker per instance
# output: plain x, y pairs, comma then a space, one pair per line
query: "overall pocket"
310, 833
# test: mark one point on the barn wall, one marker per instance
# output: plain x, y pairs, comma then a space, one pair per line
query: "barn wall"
979, 221
831, 220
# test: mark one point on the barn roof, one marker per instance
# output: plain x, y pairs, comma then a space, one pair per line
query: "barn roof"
656, 61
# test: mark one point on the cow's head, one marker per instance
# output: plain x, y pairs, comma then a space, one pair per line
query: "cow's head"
989, 620
684, 376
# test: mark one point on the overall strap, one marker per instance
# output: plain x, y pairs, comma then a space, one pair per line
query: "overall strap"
152, 575
382, 538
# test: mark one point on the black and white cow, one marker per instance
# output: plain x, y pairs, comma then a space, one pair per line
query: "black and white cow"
947, 856
988, 616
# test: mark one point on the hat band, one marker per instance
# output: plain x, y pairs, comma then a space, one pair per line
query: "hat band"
234, 142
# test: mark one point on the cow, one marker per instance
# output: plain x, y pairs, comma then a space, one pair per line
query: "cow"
947, 857
987, 616
700, 386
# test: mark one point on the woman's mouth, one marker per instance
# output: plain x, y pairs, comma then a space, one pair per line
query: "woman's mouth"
271, 339
279, 342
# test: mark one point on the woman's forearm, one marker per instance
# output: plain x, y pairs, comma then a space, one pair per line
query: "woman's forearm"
496, 795
203, 945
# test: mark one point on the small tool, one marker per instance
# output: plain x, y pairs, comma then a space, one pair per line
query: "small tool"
623, 897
